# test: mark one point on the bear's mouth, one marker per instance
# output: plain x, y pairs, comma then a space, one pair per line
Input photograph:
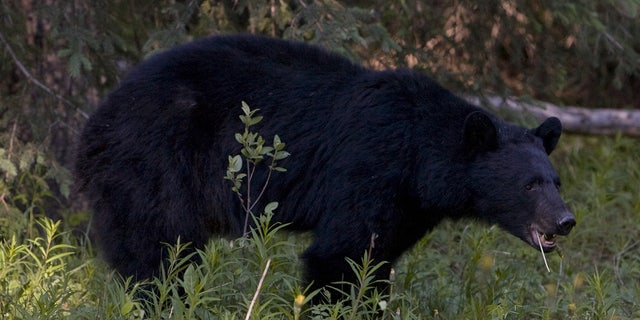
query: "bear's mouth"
542, 240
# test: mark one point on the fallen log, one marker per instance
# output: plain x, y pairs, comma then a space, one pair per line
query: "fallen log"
574, 119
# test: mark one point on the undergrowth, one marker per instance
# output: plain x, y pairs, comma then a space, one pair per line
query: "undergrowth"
461, 270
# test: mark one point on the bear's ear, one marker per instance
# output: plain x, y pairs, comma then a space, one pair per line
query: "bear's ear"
549, 131
480, 134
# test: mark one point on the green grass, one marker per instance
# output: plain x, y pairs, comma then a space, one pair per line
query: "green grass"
462, 270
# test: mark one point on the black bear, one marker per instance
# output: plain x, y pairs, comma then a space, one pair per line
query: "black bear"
382, 154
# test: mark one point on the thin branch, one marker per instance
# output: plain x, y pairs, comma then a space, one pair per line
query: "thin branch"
3, 201
33, 80
247, 205
257, 293
264, 188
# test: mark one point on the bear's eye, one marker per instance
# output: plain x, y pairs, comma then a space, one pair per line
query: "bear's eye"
533, 185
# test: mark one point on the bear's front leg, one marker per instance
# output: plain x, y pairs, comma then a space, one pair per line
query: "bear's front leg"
327, 267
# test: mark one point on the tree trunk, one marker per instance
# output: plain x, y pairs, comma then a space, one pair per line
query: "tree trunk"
574, 119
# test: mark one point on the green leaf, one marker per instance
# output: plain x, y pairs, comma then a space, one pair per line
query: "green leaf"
235, 163
239, 138
64, 53
77, 62
281, 155
255, 120
190, 278
126, 307
251, 138
8, 167
268, 209
245, 108
266, 150
65, 188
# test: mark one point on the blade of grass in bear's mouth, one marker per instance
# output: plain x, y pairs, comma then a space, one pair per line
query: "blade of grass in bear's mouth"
544, 258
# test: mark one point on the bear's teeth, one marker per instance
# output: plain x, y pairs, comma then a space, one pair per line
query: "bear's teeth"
546, 239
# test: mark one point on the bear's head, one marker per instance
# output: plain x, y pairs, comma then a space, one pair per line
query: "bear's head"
511, 180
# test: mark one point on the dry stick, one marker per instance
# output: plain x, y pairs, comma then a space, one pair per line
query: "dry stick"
255, 295
543, 257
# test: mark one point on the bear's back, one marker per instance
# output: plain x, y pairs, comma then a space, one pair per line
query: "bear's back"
243, 56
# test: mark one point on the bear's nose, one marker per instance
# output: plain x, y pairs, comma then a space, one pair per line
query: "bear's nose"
565, 224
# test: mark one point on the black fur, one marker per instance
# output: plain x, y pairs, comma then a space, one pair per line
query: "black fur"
389, 153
